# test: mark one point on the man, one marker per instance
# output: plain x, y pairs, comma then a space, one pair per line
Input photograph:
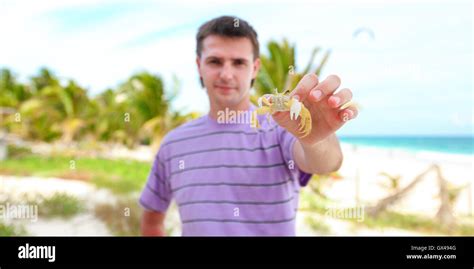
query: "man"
230, 179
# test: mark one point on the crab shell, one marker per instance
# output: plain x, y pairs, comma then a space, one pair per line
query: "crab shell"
278, 104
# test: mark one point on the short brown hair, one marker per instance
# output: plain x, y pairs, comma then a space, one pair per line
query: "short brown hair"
227, 26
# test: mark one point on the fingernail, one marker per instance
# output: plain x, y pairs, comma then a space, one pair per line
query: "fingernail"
335, 100
351, 114
347, 115
317, 94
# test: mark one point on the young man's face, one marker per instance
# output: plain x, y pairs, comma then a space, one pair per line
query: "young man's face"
227, 67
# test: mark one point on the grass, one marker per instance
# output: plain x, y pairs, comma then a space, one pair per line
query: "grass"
317, 225
122, 218
120, 176
17, 151
413, 222
11, 230
60, 205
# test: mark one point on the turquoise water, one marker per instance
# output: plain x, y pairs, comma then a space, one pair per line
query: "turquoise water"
444, 144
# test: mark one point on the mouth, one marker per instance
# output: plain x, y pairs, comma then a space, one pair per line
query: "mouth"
224, 88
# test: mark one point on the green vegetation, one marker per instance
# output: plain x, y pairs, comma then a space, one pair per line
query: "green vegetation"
120, 176
122, 218
17, 151
60, 205
317, 224
47, 109
11, 230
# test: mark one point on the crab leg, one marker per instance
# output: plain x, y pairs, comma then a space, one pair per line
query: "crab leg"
263, 110
264, 99
254, 120
305, 122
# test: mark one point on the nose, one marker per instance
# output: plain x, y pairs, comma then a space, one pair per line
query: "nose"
226, 72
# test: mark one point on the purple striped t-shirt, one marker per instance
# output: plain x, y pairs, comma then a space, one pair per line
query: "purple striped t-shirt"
227, 179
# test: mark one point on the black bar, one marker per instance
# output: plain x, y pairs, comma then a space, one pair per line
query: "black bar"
282, 250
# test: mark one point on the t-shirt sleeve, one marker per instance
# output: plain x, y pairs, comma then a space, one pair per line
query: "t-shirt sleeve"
156, 194
287, 142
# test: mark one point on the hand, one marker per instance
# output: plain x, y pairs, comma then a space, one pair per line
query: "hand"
324, 106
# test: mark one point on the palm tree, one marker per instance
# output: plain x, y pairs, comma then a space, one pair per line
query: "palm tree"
44, 79
110, 116
149, 107
138, 111
76, 108
279, 70
12, 93
33, 118
54, 111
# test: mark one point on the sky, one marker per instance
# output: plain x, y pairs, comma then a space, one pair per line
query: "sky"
412, 74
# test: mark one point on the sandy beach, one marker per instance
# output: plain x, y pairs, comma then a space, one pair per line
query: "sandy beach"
361, 184
364, 164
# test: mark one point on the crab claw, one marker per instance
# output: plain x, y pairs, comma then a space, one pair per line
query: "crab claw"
295, 109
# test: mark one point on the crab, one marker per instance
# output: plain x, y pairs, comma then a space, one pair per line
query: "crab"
279, 102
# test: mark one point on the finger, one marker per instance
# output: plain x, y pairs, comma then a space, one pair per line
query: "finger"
340, 98
303, 88
325, 88
348, 114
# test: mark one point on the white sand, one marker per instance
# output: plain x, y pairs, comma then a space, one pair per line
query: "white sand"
366, 163
16, 187
84, 224
79, 225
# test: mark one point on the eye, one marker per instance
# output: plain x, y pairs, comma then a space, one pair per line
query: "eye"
214, 61
239, 62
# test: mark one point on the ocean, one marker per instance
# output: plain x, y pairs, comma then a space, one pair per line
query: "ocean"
441, 144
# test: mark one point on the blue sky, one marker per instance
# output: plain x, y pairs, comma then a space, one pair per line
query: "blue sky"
414, 77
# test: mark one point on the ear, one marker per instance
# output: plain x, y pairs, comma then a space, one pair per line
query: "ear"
256, 67
198, 63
